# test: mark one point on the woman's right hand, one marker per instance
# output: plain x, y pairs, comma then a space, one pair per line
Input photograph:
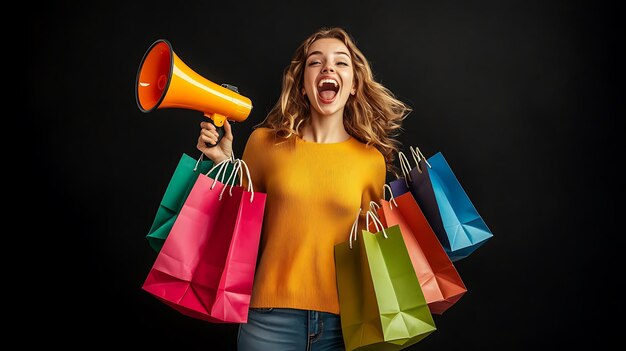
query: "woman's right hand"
209, 135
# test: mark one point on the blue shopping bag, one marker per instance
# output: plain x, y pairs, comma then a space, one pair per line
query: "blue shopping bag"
447, 207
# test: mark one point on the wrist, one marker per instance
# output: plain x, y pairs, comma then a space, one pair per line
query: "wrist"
220, 159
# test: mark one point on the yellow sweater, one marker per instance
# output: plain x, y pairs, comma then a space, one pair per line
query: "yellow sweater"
314, 191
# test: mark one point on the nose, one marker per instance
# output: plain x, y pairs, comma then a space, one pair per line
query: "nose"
328, 68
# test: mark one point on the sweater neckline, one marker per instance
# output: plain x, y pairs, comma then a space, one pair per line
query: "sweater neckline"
299, 139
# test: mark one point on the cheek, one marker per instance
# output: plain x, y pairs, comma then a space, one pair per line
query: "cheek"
348, 80
309, 78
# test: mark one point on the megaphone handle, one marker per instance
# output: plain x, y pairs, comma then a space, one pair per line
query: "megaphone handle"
220, 134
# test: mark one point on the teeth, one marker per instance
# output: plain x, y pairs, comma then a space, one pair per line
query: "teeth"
328, 80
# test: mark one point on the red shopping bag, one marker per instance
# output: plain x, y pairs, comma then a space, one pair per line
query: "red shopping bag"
440, 281
206, 267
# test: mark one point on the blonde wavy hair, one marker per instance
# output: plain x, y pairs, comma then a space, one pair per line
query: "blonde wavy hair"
373, 115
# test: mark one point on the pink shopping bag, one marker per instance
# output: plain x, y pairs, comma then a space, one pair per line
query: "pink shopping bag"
206, 267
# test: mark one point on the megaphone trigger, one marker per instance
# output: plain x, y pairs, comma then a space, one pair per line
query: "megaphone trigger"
218, 121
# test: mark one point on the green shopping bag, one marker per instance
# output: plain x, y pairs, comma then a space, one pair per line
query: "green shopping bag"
381, 303
178, 189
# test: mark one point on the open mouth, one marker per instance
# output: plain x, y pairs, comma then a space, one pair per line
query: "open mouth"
327, 89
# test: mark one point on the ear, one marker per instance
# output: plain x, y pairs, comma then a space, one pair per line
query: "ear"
353, 91
303, 92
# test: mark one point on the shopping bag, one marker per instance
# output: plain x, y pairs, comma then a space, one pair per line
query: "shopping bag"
181, 182
206, 266
447, 207
381, 304
440, 281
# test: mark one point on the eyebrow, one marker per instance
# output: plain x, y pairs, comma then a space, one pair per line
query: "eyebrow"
320, 53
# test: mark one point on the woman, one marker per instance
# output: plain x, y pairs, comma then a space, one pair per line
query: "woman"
321, 154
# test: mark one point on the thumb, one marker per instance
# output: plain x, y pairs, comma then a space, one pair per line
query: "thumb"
227, 130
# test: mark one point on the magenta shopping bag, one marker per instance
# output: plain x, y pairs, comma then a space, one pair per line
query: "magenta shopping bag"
206, 266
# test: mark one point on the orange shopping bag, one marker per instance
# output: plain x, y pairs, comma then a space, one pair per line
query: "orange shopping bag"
441, 283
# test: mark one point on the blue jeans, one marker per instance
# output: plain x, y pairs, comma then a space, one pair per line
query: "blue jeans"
287, 329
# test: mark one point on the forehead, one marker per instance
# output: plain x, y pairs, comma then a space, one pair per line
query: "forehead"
328, 45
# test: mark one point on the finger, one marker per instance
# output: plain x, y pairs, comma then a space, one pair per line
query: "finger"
227, 130
209, 139
209, 133
201, 144
207, 126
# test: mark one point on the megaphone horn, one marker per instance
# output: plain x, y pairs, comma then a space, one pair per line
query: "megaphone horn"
165, 81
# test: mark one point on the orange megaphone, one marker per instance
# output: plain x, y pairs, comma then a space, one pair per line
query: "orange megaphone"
164, 81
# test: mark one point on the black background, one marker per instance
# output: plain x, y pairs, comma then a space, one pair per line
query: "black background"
521, 97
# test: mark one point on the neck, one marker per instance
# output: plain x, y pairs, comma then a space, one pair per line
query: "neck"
325, 129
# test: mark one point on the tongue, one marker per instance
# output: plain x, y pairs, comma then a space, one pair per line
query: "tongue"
327, 94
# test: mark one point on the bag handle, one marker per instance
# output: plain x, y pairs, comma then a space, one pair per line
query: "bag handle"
373, 207
231, 179
238, 169
198, 162
391, 199
232, 158
353, 230
222, 167
418, 156
376, 223
250, 188
405, 166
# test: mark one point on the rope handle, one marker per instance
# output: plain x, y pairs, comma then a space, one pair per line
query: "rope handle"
195, 168
391, 198
405, 166
376, 223
418, 156
353, 230
250, 188
232, 158
222, 167
374, 206
231, 179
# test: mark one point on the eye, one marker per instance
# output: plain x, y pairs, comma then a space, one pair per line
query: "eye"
341, 63
315, 62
